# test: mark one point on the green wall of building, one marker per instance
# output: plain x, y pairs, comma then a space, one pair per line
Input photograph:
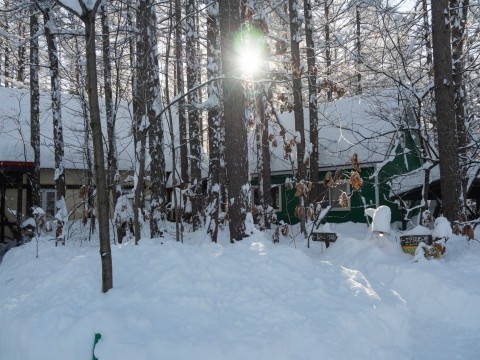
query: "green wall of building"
405, 159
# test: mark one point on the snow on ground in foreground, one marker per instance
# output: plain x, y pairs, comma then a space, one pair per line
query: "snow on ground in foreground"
361, 298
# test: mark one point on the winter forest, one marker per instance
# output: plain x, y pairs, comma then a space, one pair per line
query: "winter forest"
204, 84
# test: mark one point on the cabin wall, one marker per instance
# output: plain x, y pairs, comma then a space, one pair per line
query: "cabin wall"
369, 195
74, 180
358, 199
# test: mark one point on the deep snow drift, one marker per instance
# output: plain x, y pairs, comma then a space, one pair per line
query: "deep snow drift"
362, 298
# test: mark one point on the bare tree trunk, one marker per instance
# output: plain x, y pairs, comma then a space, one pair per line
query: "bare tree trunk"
155, 132
263, 145
113, 175
235, 129
178, 225
312, 100
295, 39
426, 35
445, 111
328, 55
459, 11
21, 53
49, 24
88, 18
358, 60
214, 129
195, 188
100, 176
139, 117
182, 120
6, 52
34, 106
88, 198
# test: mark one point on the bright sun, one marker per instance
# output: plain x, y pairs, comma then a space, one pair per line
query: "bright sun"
251, 60
250, 55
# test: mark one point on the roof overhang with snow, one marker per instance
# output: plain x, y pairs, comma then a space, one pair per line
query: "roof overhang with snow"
410, 186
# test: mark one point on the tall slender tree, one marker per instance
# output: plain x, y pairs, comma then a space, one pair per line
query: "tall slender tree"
55, 90
234, 111
295, 38
445, 111
179, 71
459, 11
215, 131
327, 47
139, 91
312, 99
87, 15
358, 46
155, 131
195, 186
113, 175
34, 103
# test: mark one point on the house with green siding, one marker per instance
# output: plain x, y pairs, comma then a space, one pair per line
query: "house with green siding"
378, 133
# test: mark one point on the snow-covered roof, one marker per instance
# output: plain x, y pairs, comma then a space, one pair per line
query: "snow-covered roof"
346, 126
404, 183
15, 131
413, 181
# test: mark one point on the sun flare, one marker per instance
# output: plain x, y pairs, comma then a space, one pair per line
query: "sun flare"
250, 60
251, 54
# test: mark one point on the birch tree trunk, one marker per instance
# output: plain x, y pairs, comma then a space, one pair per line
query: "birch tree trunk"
139, 117
55, 90
155, 131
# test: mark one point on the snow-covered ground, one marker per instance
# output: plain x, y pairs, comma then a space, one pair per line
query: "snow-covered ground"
362, 298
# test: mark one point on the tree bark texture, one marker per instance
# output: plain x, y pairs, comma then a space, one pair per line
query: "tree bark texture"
312, 100
215, 132
195, 186
34, 108
102, 206
445, 111
235, 129
59, 177
113, 175
182, 119
155, 131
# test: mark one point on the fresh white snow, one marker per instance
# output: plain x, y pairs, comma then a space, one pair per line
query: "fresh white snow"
361, 298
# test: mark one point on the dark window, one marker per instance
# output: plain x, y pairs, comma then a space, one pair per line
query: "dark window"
48, 202
274, 193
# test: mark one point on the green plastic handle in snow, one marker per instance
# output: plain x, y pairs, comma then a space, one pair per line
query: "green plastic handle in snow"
97, 338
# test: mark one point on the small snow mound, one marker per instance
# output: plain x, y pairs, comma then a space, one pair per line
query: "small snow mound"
442, 228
